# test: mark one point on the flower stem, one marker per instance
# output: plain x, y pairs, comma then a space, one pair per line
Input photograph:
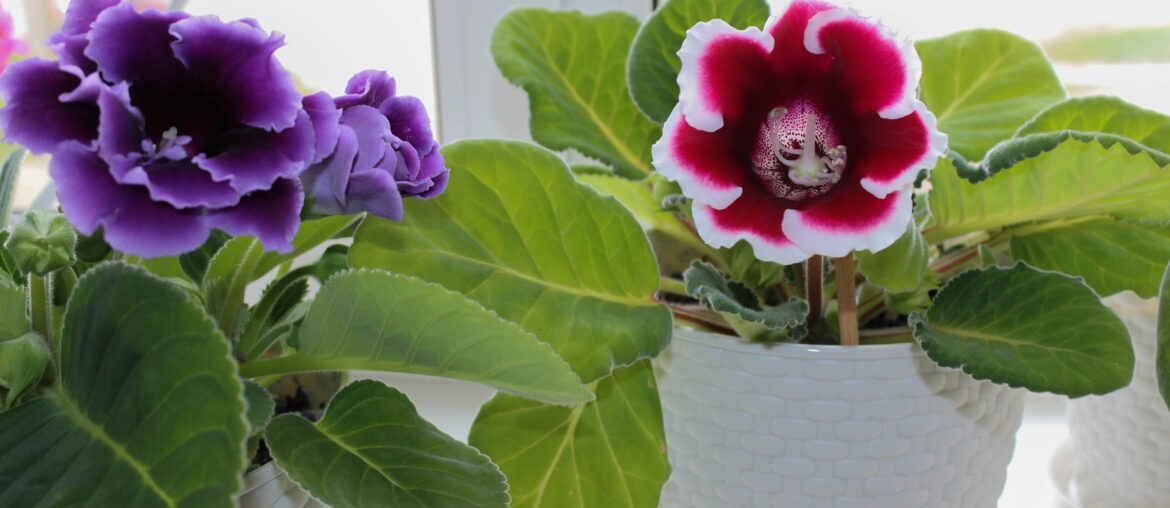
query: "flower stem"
814, 286
846, 300
40, 307
672, 285
895, 335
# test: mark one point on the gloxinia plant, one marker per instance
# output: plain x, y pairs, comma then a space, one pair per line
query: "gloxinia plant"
188, 168
986, 211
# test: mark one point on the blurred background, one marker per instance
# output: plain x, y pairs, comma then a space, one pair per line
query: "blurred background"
438, 50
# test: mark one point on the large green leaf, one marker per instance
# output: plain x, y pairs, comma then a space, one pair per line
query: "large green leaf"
1162, 356
982, 84
1028, 328
654, 63
374, 320
1053, 176
573, 67
636, 196
148, 412
1111, 255
372, 449
515, 232
611, 452
1103, 114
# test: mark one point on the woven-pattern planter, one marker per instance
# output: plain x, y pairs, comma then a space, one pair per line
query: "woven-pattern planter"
1120, 442
828, 426
268, 486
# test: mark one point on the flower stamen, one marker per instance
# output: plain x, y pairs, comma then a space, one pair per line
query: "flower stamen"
809, 169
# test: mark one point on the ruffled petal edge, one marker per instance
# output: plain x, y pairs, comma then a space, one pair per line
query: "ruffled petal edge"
700, 105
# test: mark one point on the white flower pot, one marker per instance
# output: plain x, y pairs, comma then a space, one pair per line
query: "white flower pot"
268, 486
1120, 442
828, 426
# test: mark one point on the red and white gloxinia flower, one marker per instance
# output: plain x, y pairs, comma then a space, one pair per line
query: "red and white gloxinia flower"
802, 139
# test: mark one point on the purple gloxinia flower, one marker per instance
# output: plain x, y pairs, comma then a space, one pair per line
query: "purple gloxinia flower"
372, 150
164, 126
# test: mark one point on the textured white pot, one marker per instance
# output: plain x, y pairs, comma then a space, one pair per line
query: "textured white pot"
268, 486
1120, 442
829, 427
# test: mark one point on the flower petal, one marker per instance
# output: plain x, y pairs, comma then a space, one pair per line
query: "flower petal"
373, 135
722, 68
183, 185
271, 215
897, 150
134, 224
120, 124
70, 42
326, 181
849, 219
789, 54
375, 192
133, 46
87, 192
255, 158
408, 120
754, 217
35, 116
325, 117
704, 164
369, 88
235, 60
876, 70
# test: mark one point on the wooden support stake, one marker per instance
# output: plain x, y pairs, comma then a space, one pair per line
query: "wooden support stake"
846, 300
814, 287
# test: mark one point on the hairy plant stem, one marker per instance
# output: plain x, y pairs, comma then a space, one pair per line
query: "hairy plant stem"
40, 307
672, 285
846, 300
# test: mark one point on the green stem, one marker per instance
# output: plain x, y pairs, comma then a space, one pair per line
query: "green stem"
40, 308
672, 286
893, 335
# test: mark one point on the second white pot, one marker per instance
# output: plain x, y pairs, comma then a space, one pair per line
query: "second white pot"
829, 426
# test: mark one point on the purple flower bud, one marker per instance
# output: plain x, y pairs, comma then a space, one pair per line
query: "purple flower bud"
372, 150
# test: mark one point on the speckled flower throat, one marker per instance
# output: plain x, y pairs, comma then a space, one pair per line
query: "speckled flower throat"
798, 154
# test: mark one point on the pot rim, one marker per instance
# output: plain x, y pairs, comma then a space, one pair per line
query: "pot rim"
735, 344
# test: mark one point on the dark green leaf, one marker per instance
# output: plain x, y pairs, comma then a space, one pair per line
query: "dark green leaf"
374, 320
573, 67
610, 452
195, 263
654, 63
982, 84
1162, 357
373, 449
22, 363
149, 410
1023, 327
516, 233
1112, 256
741, 309
260, 406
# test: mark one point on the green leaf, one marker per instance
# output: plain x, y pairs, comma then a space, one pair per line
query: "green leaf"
374, 320
1112, 45
310, 234
13, 312
900, 267
610, 452
1052, 176
195, 263
636, 196
516, 233
1162, 356
260, 406
654, 63
1028, 328
573, 67
1103, 114
742, 310
982, 84
148, 412
1112, 256
373, 449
